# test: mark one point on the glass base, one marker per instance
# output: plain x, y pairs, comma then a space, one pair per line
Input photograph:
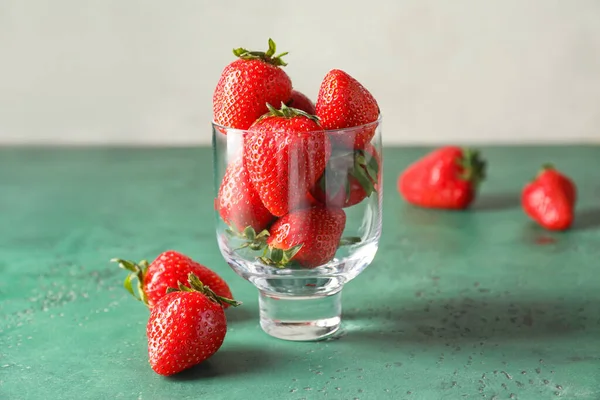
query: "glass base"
300, 318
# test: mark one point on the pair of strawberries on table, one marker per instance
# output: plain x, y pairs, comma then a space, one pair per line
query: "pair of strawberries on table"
448, 178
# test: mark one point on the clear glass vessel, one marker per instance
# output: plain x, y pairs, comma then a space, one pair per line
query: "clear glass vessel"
326, 233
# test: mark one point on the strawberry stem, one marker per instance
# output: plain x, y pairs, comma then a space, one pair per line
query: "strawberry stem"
197, 286
253, 240
268, 56
287, 112
137, 271
547, 166
279, 258
473, 166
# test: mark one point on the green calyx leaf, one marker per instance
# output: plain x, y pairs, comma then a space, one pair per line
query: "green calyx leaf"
289, 254
197, 286
137, 271
366, 170
276, 255
363, 179
266, 56
287, 112
251, 239
473, 166
546, 167
279, 258
249, 233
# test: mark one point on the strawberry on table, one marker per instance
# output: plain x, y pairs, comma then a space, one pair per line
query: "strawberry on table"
446, 178
344, 103
186, 327
167, 270
301, 102
238, 202
247, 84
550, 199
350, 177
310, 237
285, 152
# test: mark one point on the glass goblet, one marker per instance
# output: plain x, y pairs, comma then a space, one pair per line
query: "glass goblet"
300, 259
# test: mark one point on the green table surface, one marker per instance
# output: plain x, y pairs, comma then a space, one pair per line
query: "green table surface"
475, 304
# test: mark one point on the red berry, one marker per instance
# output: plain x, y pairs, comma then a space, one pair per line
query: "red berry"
445, 178
185, 327
238, 203
309, 237
550, 199
167, 271
344, 103
247, 85
285, 152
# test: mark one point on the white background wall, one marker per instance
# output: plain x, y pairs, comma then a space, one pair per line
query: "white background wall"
143, 71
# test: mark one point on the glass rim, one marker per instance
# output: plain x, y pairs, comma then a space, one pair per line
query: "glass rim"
331, 131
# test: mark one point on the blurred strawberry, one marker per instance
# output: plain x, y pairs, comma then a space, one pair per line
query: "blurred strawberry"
550, 199
446, 178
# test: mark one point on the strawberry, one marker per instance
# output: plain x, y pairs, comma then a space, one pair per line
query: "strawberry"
285, 152
550, 199
238, 203
349, 178
186, 327
247, 84
301, 102
310, 237
445, 178
344, 103
169, 268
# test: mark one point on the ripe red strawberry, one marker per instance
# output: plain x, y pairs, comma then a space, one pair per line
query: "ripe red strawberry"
550, 199
247, 84
285, 152
167, 270
343, 103
349, 178
238, 203
186, 327
301, 102
310, 237
445, 178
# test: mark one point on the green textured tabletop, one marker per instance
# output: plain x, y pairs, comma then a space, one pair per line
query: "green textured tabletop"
476, 304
